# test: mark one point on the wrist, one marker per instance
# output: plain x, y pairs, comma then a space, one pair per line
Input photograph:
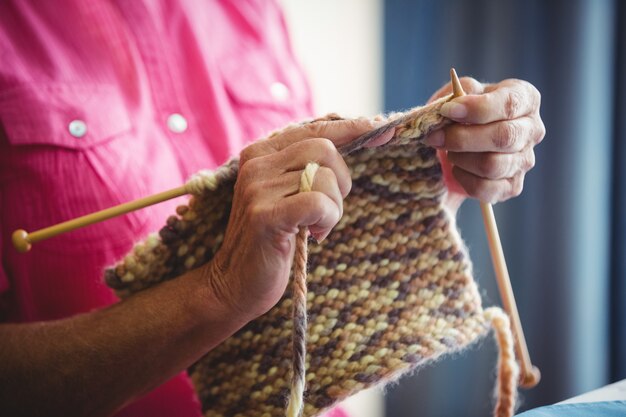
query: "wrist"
210, 306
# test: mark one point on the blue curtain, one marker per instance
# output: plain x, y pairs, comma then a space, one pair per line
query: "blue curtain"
565, 237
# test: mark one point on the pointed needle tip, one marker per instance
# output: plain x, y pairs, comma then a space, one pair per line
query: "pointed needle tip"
457, 89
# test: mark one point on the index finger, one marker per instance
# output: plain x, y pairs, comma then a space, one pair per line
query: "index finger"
339, 131
507, 100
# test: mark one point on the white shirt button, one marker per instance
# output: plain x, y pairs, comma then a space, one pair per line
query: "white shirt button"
77, 128
177, 123
279, 91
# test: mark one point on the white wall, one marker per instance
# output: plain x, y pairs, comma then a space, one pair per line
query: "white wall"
339, 42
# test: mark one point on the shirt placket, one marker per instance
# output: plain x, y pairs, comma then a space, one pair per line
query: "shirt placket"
171, 109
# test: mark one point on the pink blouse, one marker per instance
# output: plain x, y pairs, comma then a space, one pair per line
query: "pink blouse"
102, 102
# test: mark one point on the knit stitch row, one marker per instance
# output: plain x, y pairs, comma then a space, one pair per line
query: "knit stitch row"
390, 288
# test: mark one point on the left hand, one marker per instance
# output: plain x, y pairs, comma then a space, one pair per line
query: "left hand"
487, 154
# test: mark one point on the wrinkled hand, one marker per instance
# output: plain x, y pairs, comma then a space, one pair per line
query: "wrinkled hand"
251, 270
487, 154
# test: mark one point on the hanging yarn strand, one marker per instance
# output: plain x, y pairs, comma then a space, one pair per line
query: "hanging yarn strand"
391, 285
392, 282
296, 399
508, 369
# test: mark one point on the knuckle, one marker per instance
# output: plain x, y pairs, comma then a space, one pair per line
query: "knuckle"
317, 202
318, 128
512, 104
492, 166
249, 194
517, 190
485, 194
248, 169
326, 147
471, 85
536, 95
482, 191
528, 162
326, 207
483, 106
528, 90
254, 150
244, 173
355, 124
506, 135
256, 213
246, 154
333, 116
325, 152
516, 186
348, 183
325, 175
541, 131
343, 183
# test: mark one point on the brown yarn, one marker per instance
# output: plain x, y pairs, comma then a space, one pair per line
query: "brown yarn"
389, 289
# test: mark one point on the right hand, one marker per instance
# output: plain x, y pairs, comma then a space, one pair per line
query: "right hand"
251, 270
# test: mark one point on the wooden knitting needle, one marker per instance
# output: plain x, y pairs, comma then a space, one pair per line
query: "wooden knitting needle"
530, 375
22, 240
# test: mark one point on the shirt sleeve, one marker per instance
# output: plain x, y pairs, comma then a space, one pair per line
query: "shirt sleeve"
4, 280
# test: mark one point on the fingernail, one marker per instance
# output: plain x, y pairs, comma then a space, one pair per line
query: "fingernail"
435, 139
378, 123
319, 237
453, 110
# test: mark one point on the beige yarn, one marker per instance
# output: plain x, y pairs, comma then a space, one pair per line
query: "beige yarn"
389, 289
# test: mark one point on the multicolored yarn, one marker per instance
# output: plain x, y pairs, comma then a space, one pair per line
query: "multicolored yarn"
299, 317
390, 288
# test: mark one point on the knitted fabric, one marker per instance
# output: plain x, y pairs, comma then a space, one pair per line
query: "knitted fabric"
390, 288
